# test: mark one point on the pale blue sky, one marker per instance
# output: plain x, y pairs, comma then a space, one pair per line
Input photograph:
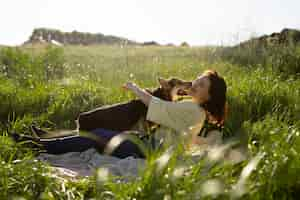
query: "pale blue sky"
199, 22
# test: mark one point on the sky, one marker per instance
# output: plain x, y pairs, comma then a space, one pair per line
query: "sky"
198, 22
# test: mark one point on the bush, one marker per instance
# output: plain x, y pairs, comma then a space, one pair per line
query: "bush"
284, 60
27, 69
15, 64
53, 63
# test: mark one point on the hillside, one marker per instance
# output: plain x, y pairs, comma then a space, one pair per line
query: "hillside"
48, 86
277, 51
50, 89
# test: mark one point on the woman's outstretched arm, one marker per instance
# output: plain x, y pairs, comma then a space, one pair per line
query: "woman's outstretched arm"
143, 95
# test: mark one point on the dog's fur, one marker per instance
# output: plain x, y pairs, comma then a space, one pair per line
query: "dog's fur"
124, 116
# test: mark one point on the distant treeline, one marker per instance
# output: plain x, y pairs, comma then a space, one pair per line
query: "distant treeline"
75, 37
81, 38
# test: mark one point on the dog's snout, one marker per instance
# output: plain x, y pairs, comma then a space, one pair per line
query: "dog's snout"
189, 84
182, 92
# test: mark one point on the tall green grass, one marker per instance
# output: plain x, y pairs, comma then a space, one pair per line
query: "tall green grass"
284, 59
264, 116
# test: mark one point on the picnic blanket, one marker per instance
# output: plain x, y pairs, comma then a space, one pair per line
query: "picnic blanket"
81, 164
76, 165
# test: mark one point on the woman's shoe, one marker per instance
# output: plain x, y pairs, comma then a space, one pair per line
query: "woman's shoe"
21, 137
37, 132
15, 136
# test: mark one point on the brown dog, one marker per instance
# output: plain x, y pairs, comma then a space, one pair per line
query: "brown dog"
124, 116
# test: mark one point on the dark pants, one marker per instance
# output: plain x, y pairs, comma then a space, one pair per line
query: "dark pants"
78, 143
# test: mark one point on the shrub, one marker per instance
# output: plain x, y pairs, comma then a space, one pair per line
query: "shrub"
27, 69
53, 63
282, 59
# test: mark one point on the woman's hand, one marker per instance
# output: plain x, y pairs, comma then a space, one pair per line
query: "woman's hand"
130, 86
144, 96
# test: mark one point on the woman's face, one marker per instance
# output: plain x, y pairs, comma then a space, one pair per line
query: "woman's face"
200, 89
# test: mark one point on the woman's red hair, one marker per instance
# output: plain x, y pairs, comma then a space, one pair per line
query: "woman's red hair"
216, 106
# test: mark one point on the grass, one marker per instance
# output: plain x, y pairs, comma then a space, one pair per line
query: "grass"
264, 114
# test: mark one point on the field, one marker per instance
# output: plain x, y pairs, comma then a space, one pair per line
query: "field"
49, 86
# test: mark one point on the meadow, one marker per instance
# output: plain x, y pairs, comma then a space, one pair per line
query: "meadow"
48, 86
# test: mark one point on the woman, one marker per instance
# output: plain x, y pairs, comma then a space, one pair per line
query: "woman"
188, 117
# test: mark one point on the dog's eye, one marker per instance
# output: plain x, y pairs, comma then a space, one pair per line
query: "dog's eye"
172, 84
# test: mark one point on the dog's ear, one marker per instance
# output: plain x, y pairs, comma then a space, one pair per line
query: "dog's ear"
163, 82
